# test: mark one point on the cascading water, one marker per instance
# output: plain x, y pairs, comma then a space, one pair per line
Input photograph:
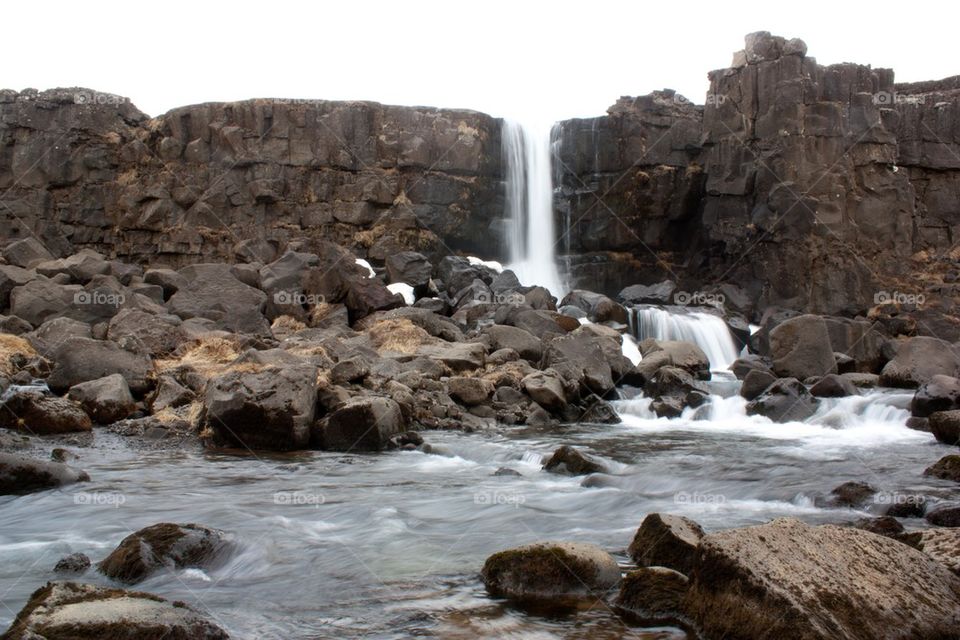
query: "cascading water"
527, 153
706, 330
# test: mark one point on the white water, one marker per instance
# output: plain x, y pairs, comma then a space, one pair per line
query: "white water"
527, 153
706, 330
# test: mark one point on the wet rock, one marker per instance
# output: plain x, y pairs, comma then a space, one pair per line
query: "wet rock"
470, 391
546, 388
523, 342
660, 293
653, 592
862, 380
945, 426
666, 540
269, 409
362, 424
162, 545
943, 545
800, 348
550, 570
786, 400
106, 399
668, 407
84, 359
504, 471
598, 307
73, 563
596, 410
20, 474
573, 462
834, 386
851, 494
947, 468
883, 526
939, 393
918, 360
675, 382
944, 515
34, 412
91, 612
786, 579
756, 382
907, 506
673, 353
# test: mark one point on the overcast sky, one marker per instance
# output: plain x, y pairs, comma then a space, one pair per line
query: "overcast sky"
543, 60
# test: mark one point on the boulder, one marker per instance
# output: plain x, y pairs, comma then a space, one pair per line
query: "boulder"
918, 360
943, 545
786, 400
464, 356
946, 514
653, 593
945, 426
859, 340
106, 399
412, 268
947, 468
83, 359
169, 394
362, 424
26, 253
790, 580
939, 393
883, 526
20, 474
666, 540
62, 610
12, 277
523, 342
213, 292
598, 307
546, 388
167, 279
458, 272
81, 267
40, 300
160, 334
349, 370
47, 337
745, 364
37, 413
673, 353
800, 348
550, 570
573, 462
833, 385
159, 546
470, 391
756, 382
269, 409
851, 494
660, 293
74, 563
580, 360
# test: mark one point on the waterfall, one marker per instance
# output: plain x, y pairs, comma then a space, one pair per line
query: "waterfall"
706, 330
527, 153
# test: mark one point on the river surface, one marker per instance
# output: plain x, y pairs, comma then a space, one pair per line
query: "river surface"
390, 545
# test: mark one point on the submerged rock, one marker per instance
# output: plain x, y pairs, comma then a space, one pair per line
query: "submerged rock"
20, 474
161, 545
785, 400
74, 611
546, 570
947, 468
568, 460
73, 563
789, 580
666, 540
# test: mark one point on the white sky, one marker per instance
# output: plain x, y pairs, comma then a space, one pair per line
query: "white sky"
536, 61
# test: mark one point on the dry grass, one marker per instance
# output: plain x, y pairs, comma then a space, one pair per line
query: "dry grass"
209, 357
13, 348
398, 335
285, 326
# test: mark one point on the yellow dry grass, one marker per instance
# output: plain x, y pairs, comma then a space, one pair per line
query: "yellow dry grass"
283, 326
209, 357
13, 348
398, 335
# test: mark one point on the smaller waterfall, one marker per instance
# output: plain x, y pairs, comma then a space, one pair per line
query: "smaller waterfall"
706, 330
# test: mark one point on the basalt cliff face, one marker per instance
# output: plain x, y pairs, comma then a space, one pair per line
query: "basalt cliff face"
244, 180
823, 188
817, 188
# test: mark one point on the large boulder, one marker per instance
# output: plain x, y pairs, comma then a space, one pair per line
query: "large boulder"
26, 253
834, 386
597, 306
918, 360
947, 468
526, 344
859, 340
37, 413
653, 592
943, 545
159, 546
48, 337
790, 580
660, 293
550, 570
756, 382
12, 277
271, 409
81, 267
361, 424
212, 291
945, 426
800, 348
20, 474
666, 540
786, 400
40, 300
68, 610
83, 359
160, 334
546, 388
470, 391
412, 268
939, 393
579, 359
672, 353
106, 400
